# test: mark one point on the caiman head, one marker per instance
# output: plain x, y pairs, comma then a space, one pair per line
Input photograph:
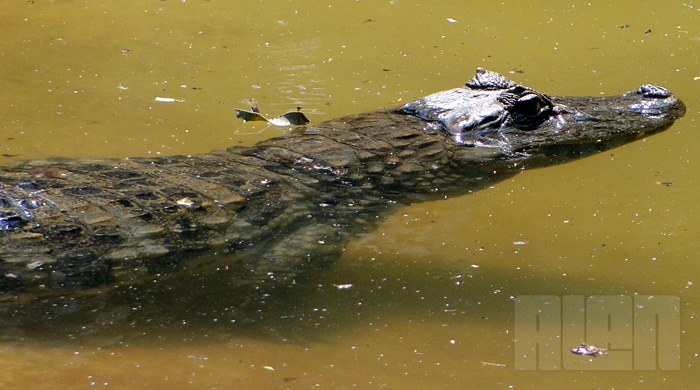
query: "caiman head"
523, 125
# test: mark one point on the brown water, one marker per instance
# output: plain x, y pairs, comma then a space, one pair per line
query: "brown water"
427, 301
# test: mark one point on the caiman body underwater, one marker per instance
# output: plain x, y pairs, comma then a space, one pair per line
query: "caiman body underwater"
283, 209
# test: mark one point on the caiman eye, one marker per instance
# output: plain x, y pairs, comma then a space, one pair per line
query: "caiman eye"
530, 105
529, 110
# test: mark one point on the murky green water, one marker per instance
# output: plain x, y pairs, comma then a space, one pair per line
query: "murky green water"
430, 302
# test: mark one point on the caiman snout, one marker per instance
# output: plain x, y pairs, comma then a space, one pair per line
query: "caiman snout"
654, 101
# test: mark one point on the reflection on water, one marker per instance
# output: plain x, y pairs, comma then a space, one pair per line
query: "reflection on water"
318, 317
427, 300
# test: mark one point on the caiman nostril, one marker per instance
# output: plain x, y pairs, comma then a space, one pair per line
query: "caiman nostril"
653, 91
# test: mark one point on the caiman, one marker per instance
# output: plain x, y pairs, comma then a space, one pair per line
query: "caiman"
283, 209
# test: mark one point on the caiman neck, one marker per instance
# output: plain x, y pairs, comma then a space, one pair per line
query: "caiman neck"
385, 151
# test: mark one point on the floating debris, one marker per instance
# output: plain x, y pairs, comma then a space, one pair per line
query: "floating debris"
197, 357
169, 100
589, 350
493, 364
292, 118
186, 202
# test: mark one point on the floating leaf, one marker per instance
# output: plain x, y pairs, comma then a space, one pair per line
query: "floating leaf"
292, 118
249, 115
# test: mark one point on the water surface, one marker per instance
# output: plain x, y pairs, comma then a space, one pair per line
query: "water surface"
426, 301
